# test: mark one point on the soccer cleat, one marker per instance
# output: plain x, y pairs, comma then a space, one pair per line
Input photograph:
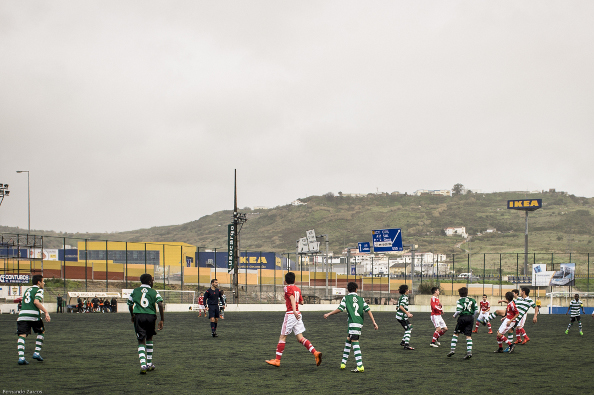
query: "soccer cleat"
517, 341
468, 356
567, 332
490, 332
511, 348
318, 356
475, 331
451, 353
358, 369
273, 362
214, 334
343, 366
402, 343
438, 343
408, 347
581, 333
143, 370
23, 362
499, 350
150, 367
433, 344
526, 340
37, 357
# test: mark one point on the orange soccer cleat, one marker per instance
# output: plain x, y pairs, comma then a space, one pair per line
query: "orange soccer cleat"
518, 340
273, 362
475, 331
318, 356
526, 340
490, 332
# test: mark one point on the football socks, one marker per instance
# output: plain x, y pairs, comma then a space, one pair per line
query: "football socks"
21, 347
280, 348
149, 352
142, 356
346, 352
357, 352
38, 343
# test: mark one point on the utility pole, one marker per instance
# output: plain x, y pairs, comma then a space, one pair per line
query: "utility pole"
238, 220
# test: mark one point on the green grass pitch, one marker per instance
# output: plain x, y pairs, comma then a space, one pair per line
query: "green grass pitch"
96, 354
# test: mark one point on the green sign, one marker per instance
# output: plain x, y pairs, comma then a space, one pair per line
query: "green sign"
230, 246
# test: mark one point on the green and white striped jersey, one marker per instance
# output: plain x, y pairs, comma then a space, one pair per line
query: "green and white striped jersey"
466, 306
355, 307
523, 305
402, 301
144, 299
575, 307
30, 312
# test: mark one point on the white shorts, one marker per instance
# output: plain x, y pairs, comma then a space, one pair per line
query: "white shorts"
292, 324
522, 321
200, 307
438, 321
505, 326
483, 316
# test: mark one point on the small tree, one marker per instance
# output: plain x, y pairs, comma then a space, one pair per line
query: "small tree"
457, 189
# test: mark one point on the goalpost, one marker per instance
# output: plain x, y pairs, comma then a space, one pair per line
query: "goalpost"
175, 296
568, 296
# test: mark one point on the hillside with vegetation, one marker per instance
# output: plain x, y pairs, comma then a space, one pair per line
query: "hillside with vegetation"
565, 224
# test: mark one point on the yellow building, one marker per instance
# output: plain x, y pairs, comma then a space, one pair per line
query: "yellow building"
167, 254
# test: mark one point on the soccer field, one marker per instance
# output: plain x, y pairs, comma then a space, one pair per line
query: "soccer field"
97, 354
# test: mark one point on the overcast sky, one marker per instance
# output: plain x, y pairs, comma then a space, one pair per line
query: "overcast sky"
132, 114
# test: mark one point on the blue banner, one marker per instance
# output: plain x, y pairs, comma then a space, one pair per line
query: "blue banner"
15, 278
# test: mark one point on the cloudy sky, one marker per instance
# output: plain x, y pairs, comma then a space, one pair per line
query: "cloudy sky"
132, 114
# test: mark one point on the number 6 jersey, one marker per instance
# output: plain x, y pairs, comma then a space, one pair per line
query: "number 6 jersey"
144, 299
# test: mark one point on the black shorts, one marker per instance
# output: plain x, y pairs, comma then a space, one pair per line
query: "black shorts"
577, 317
405, 323
214, 311
144, 325
24, 327
464, 325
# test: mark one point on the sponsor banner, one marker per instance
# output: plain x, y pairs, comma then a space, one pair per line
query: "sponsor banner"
15, 278
230, 247
525, 204
565, 276
540, 276
251, 260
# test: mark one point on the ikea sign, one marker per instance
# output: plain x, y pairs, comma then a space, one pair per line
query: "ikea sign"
525, 204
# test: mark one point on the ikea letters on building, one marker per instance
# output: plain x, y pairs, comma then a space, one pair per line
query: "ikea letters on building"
525, 204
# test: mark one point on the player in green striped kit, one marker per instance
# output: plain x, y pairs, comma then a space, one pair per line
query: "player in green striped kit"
30, 318
355, 307
141, 304
402, 315
465, 310
575, 306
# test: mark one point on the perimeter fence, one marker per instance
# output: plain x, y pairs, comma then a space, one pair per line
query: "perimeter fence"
87, 265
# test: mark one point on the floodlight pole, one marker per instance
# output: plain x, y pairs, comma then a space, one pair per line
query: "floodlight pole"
526, 245
28, 199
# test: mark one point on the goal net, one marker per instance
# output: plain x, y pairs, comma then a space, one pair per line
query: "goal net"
175, 296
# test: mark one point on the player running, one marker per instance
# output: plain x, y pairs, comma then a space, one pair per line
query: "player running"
355, 306
201, 308
436, 317
575, 306
30, 318
465, 310
141, 304
485, 307
524, 303
402, 315
511, 313
293, 322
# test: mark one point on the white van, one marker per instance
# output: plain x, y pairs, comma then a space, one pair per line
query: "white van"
464, 275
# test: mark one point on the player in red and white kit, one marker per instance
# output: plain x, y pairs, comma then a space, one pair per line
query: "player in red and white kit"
201, 306
436, 318
511, 312
293, 322
485, 307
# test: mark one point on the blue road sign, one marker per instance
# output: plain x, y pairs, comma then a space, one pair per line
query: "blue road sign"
354, 270
364, 247
387, 240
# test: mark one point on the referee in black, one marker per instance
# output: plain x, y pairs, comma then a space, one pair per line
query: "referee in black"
211, 303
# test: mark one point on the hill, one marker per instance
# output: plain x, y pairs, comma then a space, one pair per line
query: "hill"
564, 224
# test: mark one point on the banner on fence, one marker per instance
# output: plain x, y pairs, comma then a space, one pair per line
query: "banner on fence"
540, 276
15, 278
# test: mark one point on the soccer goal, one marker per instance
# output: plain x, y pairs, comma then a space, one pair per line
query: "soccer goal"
562, 298
175, 296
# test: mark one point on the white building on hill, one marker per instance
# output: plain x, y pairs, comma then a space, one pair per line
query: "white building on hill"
460, 230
